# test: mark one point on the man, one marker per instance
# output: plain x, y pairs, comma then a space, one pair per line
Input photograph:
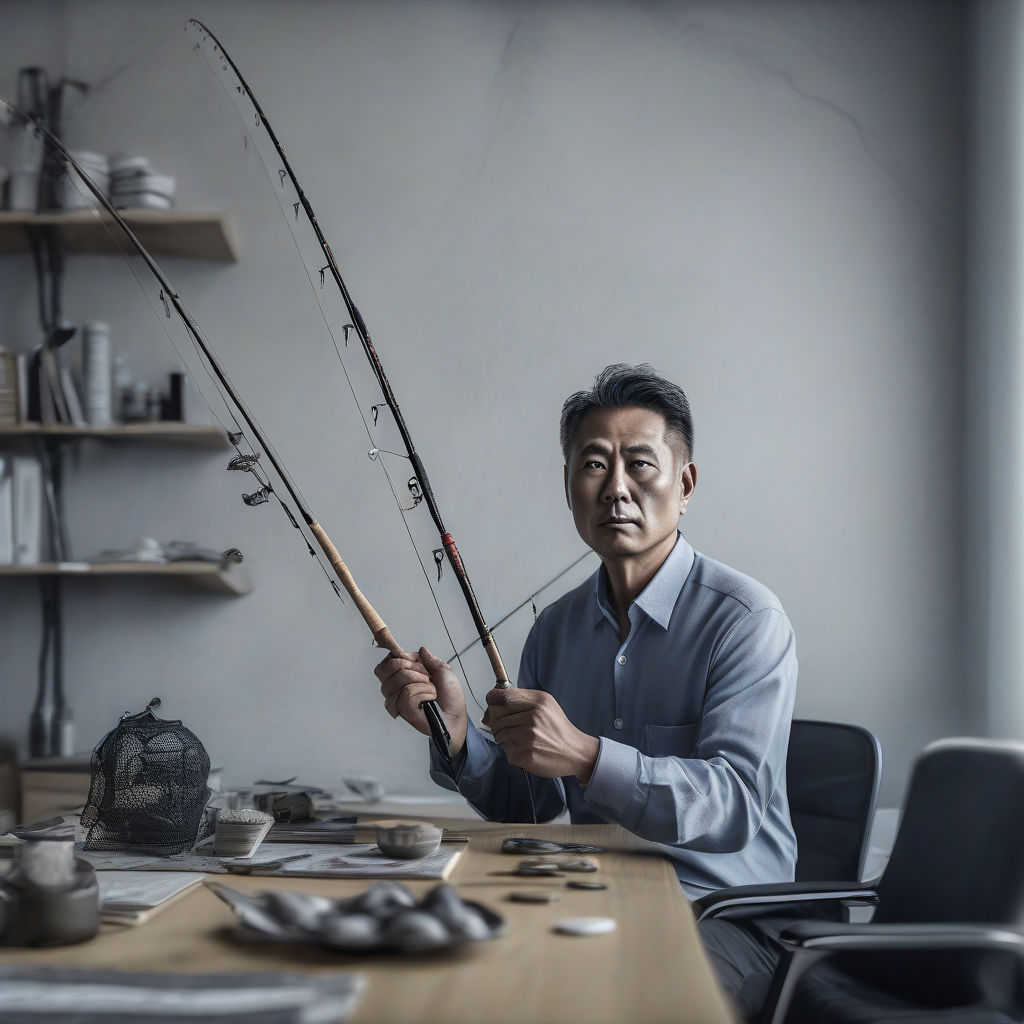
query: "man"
658, 694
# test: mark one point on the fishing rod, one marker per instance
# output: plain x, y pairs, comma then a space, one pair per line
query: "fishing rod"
423, 487
381, 633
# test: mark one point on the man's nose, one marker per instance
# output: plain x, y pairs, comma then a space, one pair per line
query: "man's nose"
615, 488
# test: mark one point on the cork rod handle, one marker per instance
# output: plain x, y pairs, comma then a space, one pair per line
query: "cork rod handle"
378, 627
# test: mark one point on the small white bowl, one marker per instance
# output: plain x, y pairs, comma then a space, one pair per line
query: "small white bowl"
407, 840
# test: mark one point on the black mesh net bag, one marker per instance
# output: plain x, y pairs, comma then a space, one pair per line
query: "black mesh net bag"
148, 790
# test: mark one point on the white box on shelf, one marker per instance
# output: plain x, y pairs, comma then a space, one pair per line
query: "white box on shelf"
21, 370
6, 514
27, 474
96, 372
8, 387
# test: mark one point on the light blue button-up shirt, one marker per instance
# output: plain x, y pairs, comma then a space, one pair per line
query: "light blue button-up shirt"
692, 710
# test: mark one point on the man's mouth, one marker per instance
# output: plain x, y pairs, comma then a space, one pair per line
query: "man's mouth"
618, 521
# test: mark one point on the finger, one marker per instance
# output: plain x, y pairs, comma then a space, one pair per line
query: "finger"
391, 666
393, 693
391, 689
412, 696
495, 716
520, 735
502, 697
432, 662
523, 721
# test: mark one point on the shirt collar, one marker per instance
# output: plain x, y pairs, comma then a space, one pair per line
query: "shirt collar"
658, 599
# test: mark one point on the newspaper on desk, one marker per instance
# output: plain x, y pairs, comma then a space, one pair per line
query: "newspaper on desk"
316, 857
81, 996
280, 860
132, 897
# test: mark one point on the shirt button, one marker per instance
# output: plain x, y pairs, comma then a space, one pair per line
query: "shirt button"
622, 659
618, 723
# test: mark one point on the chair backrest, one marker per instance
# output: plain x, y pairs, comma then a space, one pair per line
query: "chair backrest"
832, 774
959, 851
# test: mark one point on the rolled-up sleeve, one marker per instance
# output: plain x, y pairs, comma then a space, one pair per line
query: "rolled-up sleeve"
714, 800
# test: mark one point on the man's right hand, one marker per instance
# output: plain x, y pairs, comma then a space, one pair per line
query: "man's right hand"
407, 680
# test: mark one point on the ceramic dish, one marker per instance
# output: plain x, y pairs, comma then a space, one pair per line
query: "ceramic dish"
386, 918
407, 840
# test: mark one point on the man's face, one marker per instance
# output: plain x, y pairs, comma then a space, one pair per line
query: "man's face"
627, 483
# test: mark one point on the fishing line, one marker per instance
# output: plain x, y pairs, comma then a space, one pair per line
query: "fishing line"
276, 181
522, 604
242, 89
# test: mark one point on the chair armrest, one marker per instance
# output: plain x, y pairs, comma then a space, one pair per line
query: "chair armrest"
809, 942
750, 900
836, 937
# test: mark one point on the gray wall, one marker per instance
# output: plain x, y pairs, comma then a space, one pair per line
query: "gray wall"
994, 477
764, 200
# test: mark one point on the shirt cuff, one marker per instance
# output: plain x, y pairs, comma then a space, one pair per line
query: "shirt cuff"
474, 758
453, 769
614, 782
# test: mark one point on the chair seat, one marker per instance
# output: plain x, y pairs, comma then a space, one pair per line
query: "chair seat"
828, 995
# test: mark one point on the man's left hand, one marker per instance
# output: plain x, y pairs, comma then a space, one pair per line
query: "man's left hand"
531, 727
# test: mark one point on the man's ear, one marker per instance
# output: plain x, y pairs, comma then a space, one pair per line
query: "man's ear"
687, 485
565, 484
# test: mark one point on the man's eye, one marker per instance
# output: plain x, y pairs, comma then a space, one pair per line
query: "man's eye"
591, 464
642, 463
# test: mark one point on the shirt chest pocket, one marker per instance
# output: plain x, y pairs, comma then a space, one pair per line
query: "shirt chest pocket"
670, 740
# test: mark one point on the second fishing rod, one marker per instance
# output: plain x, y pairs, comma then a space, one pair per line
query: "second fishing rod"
359, 326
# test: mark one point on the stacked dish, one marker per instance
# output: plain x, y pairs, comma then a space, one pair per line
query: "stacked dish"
135, 184
407, 840
240, 832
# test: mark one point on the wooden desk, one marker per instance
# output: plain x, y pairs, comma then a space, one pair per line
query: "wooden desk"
651, 970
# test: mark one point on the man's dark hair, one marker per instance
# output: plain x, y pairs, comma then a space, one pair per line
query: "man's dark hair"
621, 386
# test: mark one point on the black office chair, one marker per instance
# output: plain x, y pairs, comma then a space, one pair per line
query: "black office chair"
832, 775
944, 943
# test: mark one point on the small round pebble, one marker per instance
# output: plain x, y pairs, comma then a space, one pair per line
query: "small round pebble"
382, 899
532, 897
350, 931
585, 925
461, 920
580, 884
537, 866
470, 924
577, 864
410, 929
517, 844
303, 910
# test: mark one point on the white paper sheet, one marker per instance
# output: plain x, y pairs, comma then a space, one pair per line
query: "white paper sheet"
140, 890
315, 860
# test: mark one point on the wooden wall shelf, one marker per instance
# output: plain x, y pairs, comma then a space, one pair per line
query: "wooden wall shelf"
223, 579
199, 435
197, 236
